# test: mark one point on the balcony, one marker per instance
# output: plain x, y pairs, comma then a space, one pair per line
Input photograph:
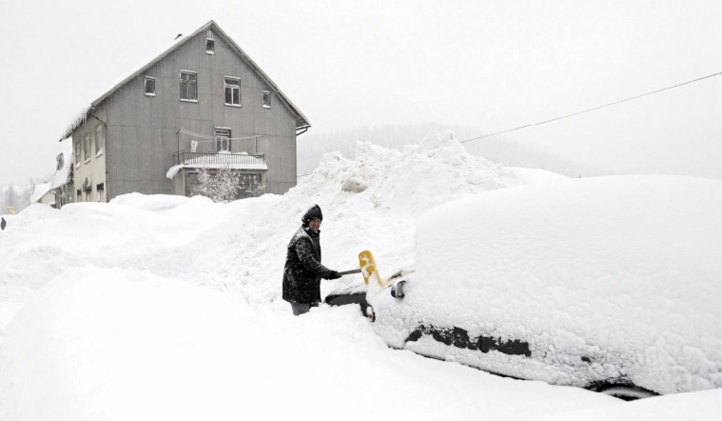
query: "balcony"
233, 160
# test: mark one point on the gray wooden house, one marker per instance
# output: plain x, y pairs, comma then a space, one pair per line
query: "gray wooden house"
202, 104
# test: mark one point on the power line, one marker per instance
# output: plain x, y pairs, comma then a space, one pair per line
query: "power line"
583, 111
594, 108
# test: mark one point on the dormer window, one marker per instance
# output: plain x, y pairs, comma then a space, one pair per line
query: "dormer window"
61, 162
149, 86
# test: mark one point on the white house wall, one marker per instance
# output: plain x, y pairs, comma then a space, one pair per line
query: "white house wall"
91, 169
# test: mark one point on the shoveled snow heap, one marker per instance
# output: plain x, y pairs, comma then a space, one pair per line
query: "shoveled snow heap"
165, 307
371, 202
606, 278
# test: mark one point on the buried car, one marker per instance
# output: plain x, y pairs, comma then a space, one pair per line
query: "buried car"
607, 283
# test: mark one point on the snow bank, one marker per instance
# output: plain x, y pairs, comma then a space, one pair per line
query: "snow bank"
608, 277
700, 406
118, 344
371, 202
165, 307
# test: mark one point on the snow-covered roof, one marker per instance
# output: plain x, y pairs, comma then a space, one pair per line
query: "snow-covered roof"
39, 190
234, 161
62, 174
60, 177
301, 120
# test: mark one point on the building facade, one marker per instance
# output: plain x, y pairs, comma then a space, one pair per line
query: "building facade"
202, 104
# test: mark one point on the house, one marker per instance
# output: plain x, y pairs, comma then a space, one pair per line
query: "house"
202, 104
60, 189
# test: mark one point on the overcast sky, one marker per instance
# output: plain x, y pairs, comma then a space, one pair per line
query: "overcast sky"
494, 65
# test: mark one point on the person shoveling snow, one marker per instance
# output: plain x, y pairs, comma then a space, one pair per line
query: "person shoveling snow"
303, 270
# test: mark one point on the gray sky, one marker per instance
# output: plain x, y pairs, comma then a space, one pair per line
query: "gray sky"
495, 65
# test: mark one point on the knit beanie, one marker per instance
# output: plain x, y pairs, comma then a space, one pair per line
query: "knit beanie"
313, 213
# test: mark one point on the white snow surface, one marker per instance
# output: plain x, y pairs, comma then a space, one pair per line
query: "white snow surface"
166, 307
622, 270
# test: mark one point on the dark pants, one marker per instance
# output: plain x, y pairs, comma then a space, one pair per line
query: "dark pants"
299, 309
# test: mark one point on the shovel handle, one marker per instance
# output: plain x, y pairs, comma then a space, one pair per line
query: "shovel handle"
349, 272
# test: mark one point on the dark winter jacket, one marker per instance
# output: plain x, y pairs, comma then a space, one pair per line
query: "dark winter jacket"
303, 271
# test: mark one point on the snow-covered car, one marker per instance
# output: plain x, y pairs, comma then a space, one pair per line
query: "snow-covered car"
607, 283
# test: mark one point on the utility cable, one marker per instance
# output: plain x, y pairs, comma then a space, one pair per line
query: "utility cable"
594, 108
584, 111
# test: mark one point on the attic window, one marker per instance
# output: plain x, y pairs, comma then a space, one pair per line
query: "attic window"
266, 99
61, 162
149, 86
210, 46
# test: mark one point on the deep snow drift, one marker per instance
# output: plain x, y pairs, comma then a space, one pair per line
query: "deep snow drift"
165, 307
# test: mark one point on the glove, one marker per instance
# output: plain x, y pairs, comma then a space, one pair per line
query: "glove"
333, 275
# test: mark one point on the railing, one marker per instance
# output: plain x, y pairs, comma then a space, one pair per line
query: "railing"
222, 158
203, 143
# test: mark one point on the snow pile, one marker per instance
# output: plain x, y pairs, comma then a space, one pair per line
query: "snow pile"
165, 307
120, 344
369, 203
605, 278
684, 406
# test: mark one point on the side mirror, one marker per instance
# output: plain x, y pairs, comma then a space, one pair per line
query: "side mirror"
397, 291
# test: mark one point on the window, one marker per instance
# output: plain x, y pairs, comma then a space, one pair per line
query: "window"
223, 140
100, 188
99, 140
233, 91
77, 150
189, 86
61, 162
266, 99
210, 43
149, 86
86, 147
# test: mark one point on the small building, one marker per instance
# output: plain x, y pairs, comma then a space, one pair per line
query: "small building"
203, 104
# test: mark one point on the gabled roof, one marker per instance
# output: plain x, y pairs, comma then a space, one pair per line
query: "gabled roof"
301, 120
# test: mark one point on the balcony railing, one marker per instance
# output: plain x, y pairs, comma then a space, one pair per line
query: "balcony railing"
220, 159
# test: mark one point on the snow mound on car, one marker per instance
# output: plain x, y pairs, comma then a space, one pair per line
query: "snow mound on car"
622, 271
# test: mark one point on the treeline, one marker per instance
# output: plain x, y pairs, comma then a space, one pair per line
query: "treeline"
312, 146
